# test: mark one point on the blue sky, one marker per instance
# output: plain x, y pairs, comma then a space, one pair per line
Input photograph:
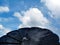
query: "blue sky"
15, 14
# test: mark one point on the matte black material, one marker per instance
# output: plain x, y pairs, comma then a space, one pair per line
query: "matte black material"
30, 36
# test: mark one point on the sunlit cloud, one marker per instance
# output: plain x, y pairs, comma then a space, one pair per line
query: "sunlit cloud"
53, 6
32, 18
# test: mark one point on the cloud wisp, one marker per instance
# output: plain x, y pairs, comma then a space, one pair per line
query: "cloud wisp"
4, 9
3, 30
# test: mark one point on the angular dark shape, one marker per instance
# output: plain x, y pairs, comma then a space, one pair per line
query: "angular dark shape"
30, 36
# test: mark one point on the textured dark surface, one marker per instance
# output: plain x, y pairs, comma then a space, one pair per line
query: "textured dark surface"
30, 36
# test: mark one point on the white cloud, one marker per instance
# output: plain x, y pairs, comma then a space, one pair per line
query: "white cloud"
32, 18
4, 9
18, 15
53, 6
6, 19
1, 27
3, 30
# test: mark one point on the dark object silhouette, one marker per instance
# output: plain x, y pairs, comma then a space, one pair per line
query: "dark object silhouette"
30, 36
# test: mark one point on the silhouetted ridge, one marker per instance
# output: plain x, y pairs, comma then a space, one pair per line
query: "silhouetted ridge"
30, 36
